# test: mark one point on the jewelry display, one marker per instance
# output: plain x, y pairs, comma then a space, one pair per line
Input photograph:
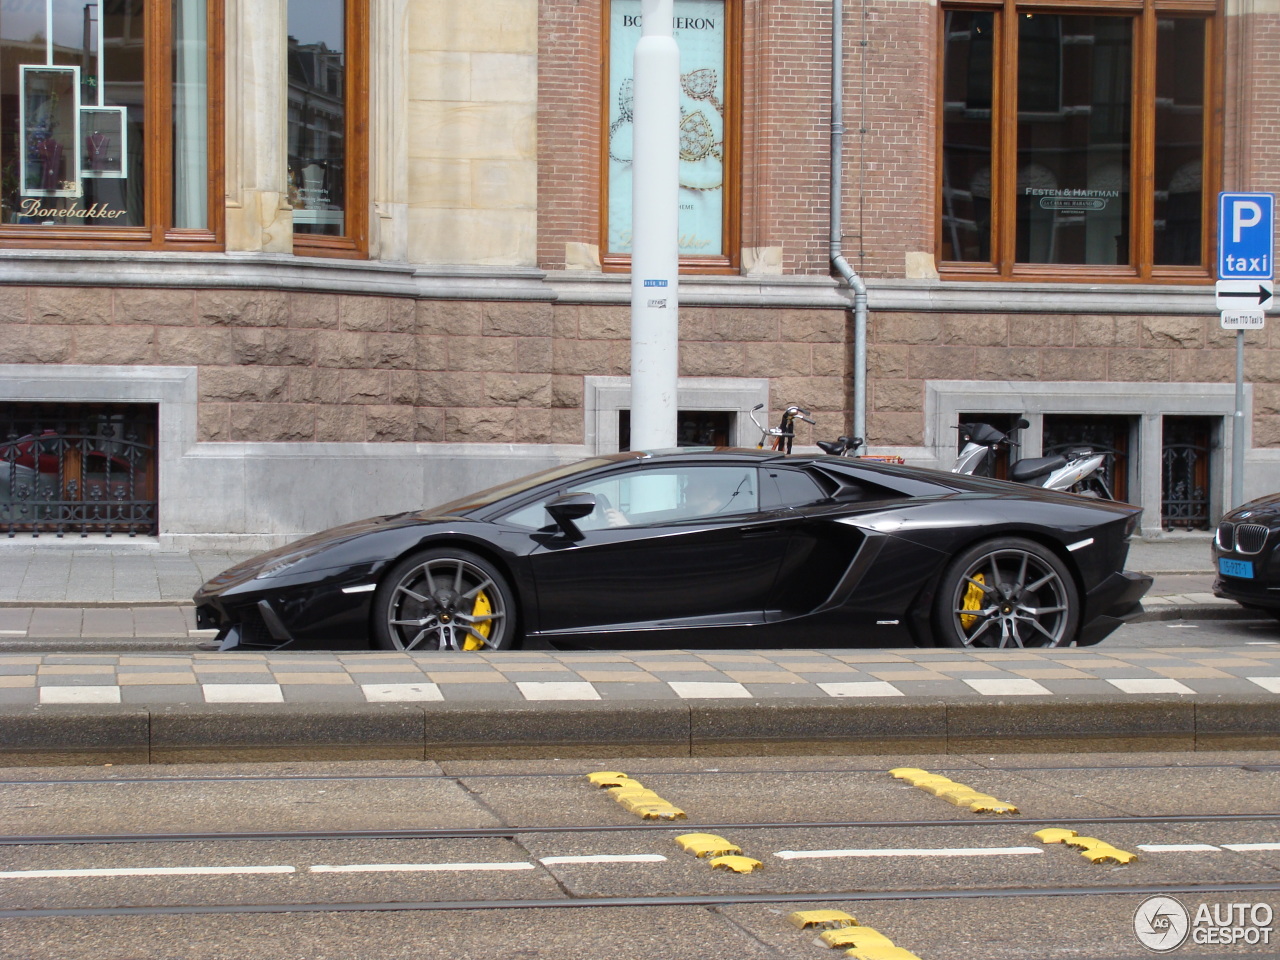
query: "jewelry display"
697, 133
103, 150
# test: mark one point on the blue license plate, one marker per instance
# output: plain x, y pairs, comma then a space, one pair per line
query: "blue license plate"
1236, 568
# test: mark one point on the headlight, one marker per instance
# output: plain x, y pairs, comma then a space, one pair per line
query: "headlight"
280, 564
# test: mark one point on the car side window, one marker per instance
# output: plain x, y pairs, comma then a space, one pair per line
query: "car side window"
664, 495
794, 488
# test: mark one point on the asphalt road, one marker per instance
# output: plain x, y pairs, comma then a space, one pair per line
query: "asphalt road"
515, 859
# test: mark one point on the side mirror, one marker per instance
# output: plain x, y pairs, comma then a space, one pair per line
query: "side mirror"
1022, 424
566, 509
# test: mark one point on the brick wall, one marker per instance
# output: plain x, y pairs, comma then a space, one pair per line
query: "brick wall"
786, 131
569, 119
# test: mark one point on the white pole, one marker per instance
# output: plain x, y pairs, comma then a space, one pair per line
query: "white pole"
655, 244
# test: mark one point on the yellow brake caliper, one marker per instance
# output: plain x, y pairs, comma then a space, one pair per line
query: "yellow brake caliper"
972, 601
483, 607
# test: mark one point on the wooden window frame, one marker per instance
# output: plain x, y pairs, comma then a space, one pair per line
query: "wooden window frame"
1004, 149
354, 243
727, 261
158, 233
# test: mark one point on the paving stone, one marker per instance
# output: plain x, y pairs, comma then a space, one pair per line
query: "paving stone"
326, 693
765, 690
463, 692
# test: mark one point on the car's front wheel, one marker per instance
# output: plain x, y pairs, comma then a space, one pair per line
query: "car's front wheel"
444, 599
1009, 592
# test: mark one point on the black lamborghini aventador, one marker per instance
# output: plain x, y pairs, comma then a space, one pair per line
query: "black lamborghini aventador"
699, 547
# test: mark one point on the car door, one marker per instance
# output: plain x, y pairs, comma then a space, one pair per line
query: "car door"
670, 561
844, 553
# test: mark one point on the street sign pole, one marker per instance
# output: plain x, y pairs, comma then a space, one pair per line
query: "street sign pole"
1237, 428
1246, 265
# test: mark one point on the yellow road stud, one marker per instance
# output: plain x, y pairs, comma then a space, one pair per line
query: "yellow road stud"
963, 796
855, 937
828, 919
706, 845
608, 778
1081, 843
1105, 851
737, 864
660, 811
1054, 834
635, 796
626, 787
880, 952
940, 786
991, 805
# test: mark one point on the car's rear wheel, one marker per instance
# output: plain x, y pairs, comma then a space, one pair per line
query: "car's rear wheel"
444, 599
1006, 593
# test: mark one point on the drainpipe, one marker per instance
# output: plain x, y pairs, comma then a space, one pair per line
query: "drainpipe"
842, 266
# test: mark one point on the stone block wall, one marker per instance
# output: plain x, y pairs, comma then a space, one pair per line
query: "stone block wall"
906, 349
291, 367
472, 117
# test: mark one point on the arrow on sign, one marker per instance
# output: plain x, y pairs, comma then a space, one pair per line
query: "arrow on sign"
1260, 295
1242, 294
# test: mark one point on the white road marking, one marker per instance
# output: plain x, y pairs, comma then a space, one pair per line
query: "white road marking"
1149, 685
13, 633
140, 872
1179, 848
862, 688
1243, 847
998, 687
414, 867
557, 690
85, 694
908, 852
608, 858
243, 693
1271, 684
707, 689
395, 692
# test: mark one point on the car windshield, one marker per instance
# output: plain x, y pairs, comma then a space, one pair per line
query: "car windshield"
474, 501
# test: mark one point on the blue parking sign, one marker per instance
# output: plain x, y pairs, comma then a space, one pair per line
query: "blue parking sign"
1246, 236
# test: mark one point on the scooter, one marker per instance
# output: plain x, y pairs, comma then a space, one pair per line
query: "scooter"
843, 447
1073, 472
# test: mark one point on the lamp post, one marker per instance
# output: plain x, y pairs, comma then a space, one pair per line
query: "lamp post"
655, 245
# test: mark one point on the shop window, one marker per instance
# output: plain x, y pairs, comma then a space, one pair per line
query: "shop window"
1076, 142
76, 468
109, 112
694, 428
707, 32
327, 126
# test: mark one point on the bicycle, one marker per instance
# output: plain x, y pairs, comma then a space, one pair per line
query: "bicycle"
783, 435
